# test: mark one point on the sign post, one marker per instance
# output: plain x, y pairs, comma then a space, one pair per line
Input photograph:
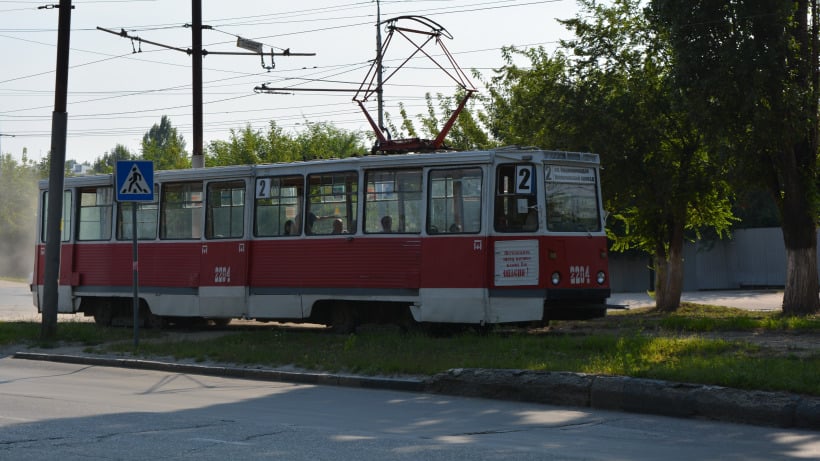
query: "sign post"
135, 183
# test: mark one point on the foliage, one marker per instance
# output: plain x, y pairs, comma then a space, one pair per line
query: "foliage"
749, 74
317, 140
163, 145
18, 188
469, 131
108, 162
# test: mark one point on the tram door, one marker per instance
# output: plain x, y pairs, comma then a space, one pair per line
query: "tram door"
455, 251
224, 251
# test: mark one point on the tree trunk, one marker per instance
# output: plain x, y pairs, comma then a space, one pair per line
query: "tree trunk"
669, 274
800, 297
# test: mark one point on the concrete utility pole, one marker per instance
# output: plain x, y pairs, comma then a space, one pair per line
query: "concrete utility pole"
59, 124
197, 159
379, 69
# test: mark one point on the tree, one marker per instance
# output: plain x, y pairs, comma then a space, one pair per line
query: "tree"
323, 140
108, 162
18, 187
469, 131
165, 147
749, 71
246, 147
615, 97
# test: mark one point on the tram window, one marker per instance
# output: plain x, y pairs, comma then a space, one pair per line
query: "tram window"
225, 217
516, 207
332, 197
278, 204
393, 201
146, 220
95, 208
572, 199
65, 224
181, 211
454, 201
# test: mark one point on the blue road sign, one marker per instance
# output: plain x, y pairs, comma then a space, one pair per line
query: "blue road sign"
135, 181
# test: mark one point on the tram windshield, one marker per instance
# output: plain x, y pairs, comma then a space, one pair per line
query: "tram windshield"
572, 199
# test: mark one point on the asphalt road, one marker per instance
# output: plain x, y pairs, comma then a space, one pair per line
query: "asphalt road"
79, 412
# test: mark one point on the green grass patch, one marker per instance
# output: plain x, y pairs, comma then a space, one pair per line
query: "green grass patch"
81, 333
640, 343
686, 359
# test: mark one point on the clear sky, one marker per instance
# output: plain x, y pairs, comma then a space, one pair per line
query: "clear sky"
116, 95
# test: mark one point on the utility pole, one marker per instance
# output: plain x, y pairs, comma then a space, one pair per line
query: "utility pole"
59, 124
197, 159
197, 53
379, 89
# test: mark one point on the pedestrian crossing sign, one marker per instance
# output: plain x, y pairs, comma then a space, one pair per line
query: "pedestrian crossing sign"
135, 181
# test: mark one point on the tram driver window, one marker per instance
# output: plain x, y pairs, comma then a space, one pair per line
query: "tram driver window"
572, 199
454, 201
516, 207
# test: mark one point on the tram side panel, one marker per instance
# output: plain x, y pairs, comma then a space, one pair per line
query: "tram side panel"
289, 276
453, 279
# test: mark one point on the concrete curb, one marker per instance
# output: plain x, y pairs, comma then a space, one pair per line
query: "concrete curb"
328, 379
616, 393
634, 395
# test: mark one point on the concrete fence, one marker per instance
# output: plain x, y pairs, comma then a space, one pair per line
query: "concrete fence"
751, 258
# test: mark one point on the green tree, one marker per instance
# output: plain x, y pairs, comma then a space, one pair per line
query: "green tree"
18, 209
323, 140
165, 147
615, 97
748, 71
246, 147
108, 162
470, 130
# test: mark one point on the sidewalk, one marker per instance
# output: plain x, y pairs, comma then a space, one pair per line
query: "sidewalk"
753, 300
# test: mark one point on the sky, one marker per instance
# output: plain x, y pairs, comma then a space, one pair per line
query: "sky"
119, 88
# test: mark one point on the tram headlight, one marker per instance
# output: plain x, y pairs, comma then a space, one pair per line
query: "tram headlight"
556, 278
601, 277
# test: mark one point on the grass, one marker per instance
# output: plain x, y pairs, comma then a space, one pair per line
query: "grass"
82, 333
683, 346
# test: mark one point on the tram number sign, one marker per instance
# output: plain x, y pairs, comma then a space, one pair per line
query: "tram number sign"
525, 179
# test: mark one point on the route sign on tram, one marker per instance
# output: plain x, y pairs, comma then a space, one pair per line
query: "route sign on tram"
135, 181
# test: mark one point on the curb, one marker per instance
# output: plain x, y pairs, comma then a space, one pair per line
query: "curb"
617, 393
634, 395
328, 379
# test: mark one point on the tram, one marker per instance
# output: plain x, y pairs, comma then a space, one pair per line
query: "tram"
505, 236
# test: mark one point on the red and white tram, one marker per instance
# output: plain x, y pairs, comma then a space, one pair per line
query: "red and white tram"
483, 237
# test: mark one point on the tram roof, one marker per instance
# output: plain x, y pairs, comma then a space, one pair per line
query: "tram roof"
373, 161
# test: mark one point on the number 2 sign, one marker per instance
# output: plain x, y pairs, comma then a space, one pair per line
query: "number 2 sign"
525, 179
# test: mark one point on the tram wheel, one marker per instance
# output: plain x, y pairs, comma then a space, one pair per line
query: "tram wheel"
103, 316
221, 322
156, 322
343, 319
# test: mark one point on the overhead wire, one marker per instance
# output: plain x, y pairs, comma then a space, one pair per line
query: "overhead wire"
329, 77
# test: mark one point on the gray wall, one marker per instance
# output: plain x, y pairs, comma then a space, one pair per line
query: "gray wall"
751, 258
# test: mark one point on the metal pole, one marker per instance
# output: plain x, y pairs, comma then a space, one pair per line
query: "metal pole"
197, 159
59, 123
135, 275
